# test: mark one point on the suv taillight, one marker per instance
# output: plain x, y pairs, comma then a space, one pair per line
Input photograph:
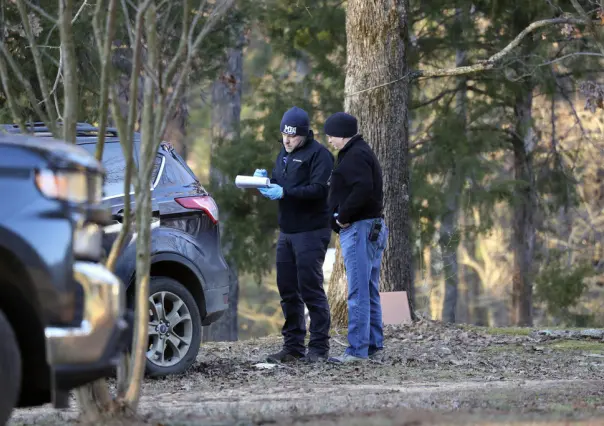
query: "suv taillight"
201, 202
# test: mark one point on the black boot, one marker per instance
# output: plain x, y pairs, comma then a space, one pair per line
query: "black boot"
314, 357
283, 356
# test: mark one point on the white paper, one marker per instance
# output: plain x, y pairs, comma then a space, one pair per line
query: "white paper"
252, 182
264, 366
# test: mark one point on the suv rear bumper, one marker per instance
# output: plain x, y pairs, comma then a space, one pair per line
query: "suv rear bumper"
217, 303
78, 355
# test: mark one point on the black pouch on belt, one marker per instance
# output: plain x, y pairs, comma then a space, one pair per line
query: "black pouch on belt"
374, 232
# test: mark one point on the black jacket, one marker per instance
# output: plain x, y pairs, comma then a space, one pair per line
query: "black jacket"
355, 187
303, 177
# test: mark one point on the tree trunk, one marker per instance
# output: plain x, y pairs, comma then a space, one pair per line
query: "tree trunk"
148, 151
70, 78
523, 235
226, 113
476, 313
436, 284
449, 228
337, 291
449, 240
376, 52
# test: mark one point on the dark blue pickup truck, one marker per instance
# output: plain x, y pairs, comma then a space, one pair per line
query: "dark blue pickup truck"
63, 316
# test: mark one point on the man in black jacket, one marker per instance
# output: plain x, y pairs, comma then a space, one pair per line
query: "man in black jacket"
299, 182
356, 201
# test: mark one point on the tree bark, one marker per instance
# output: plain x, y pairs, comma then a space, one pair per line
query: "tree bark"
476, 314
337, 292
70, 78
377, 36
149, 145
226, 114
523, 235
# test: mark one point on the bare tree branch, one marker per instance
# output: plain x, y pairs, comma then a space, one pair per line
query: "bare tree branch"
561, 58
9, 97
497, 57
219, 10
39, 67
105, 63
590, 24
29, 90
42, 12
434, 99
484, 65
126, 131
70, 77
181, 51
56, 84
75, 18
127, 22
143, 216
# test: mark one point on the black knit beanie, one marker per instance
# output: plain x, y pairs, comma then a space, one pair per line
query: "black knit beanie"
295, 121
341, 125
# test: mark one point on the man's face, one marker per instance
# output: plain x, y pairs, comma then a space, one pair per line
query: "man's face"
337, 143
291, 142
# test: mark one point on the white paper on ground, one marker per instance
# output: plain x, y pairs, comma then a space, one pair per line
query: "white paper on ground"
252, 182
264, 366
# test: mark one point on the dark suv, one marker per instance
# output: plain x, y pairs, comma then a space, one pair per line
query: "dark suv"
63, 318
189, 276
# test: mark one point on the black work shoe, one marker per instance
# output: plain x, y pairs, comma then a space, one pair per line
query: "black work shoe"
313, 357
283, 356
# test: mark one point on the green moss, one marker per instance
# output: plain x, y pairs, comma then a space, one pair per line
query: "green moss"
515, 331
508, 331
578, 345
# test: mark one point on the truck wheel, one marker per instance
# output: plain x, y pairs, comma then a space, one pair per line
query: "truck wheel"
10, 369
174, 328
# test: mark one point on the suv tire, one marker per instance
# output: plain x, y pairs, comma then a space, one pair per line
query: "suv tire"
174, 322
10, 370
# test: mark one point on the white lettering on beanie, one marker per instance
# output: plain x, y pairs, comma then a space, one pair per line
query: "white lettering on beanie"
289, 130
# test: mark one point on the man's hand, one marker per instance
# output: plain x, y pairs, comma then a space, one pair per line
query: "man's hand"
261, 173
274, 191
342, 225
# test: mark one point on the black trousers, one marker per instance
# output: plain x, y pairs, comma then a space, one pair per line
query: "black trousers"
300, 260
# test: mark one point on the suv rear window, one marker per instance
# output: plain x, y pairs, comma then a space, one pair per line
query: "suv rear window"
176, 172
115, 166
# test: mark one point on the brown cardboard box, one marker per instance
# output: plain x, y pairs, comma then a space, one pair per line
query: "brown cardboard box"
395, 307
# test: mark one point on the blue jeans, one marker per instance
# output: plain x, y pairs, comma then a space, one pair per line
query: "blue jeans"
362, 260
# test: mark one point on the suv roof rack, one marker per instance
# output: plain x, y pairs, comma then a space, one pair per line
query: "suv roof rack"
39, 128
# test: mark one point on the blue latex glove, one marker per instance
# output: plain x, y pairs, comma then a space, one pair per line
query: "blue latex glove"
261, 173
274, 192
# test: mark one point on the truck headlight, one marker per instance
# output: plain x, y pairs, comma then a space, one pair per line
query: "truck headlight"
70, 185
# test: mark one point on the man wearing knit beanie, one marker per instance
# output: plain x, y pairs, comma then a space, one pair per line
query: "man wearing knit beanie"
299, 181
356, 201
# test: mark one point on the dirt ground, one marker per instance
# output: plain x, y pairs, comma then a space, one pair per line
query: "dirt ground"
431, 374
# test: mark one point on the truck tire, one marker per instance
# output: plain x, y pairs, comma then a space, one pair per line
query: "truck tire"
174, 328
10, 370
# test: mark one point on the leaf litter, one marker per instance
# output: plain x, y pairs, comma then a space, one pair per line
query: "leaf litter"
436, 368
